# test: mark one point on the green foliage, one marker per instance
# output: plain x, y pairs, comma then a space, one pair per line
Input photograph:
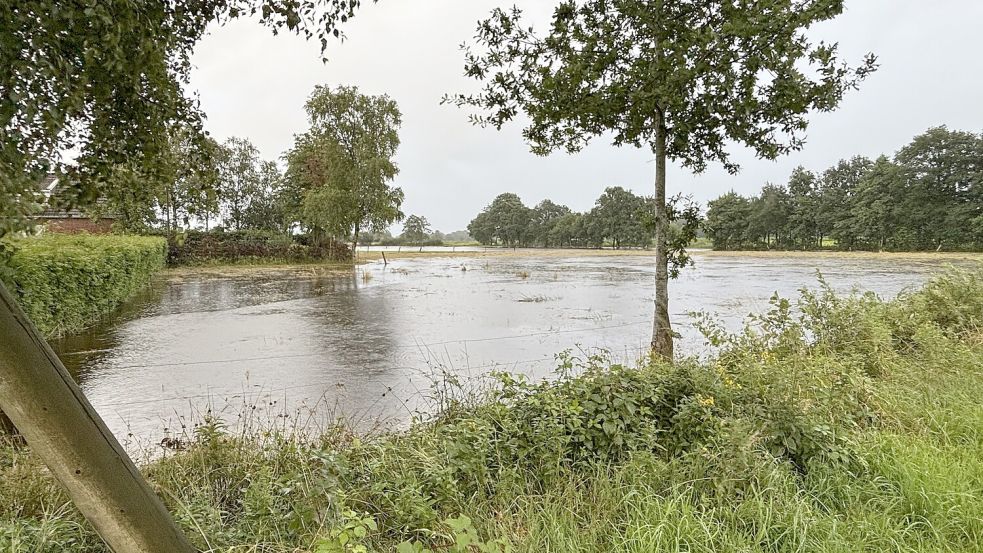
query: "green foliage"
108, 79
251, 246
505, 220
619, 218
416, 229
464, 539
269, 209
684, 79
705, 73
65, 282
927, 198
827, 423
184, 185
346, 537
341, 168
238, 169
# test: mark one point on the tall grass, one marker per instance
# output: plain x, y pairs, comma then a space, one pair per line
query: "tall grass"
830, 424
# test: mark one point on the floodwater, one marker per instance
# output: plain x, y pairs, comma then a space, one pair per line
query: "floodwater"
302, 345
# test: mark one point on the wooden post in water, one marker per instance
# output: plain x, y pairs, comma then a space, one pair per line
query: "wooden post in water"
59, 424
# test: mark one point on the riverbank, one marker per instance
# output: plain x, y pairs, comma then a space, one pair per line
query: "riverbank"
855, 427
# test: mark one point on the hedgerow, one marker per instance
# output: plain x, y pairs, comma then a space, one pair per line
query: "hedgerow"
251, 246
65, 282
828, 424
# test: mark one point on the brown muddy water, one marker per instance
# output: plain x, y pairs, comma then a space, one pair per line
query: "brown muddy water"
299, 346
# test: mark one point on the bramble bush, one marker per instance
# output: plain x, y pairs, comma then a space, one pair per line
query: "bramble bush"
252, 246
65, 282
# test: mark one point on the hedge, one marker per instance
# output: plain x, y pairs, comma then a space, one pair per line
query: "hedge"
197, 247
65, 282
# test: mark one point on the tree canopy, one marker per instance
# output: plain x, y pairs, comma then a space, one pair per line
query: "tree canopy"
928, 197
107, 79
684, 79
416, 229
619, 219
343, 165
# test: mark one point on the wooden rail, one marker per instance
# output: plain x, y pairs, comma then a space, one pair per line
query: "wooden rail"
62, 428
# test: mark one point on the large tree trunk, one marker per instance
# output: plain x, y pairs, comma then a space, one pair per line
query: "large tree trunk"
661, 328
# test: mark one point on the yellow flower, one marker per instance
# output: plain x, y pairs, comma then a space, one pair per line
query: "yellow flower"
707, 401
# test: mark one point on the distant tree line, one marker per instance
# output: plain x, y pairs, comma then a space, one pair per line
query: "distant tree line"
619, 218
929, 196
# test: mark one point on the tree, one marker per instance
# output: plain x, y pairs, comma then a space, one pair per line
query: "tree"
803, 228
543, 218
768, 219
727, 221
239, 175
874, 210
129, 196
566, 230
107, 79
682, 79
343, 165
267, 209
189, 182
505, 220
837, 186
944, 172
621, 217
416, 229
183, 186
482, 229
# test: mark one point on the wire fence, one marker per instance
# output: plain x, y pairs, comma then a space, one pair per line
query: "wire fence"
428, 363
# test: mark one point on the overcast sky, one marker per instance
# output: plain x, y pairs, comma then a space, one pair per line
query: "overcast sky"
253, 84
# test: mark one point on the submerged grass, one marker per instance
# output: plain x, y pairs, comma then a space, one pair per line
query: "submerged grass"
834, 424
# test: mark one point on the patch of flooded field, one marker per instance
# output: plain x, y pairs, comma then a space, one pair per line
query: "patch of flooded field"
306, 344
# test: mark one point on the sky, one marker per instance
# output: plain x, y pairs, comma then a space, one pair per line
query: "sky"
253, 84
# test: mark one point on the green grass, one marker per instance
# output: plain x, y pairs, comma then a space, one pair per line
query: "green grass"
855, 426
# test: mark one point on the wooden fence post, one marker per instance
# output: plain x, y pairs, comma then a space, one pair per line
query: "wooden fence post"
62, 428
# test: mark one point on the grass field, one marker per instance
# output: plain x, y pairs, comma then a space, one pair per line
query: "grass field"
830, 424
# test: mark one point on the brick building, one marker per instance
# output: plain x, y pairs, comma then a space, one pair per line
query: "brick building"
57, 218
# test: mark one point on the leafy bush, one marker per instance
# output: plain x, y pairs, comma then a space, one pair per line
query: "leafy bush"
197, 247
65, 282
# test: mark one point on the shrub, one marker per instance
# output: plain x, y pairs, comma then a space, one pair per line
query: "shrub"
197, 247
65, 282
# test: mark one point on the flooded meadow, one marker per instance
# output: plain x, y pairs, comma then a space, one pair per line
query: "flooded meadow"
303, 345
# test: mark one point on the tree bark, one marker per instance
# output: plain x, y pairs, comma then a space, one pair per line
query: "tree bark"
63, 429
662, 346
355, 245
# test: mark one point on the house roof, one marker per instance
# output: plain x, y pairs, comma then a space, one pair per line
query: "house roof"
59, 200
